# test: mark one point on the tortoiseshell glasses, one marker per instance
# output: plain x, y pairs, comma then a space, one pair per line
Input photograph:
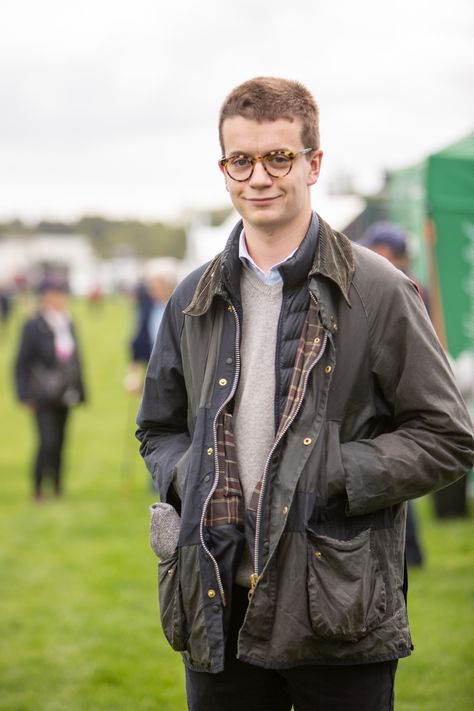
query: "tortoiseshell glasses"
276, 163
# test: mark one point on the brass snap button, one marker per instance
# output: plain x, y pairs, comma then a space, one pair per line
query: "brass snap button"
285, 510
223, 382
209, 451
211, 593
317, 341
170, 572
328, 369
318, 554
307, 440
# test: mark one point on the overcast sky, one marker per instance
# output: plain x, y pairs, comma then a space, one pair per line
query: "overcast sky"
110, 106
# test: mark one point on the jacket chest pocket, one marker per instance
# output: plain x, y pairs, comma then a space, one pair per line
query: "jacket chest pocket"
171, 604
346, 590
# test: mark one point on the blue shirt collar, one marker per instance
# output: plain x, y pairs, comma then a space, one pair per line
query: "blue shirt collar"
273, 276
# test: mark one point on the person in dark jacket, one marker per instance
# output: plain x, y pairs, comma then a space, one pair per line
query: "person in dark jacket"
49, 380
295, 399
161, 277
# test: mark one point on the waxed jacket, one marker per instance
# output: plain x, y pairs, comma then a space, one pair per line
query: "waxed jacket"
380, 421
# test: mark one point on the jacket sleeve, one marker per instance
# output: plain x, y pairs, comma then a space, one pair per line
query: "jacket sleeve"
432, 443
23, 362
162, 418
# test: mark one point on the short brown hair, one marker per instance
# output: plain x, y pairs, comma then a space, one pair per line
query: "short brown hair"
270, 99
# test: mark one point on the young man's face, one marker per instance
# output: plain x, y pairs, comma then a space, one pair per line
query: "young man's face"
266, 203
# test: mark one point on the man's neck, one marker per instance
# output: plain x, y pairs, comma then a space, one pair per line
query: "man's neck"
268, 248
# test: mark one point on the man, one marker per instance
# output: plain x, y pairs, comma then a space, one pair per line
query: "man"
296, 398
161, 277
390, 241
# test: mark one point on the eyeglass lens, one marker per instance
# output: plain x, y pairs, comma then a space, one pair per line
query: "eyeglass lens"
276, 164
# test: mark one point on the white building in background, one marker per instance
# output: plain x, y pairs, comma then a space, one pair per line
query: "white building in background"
72, 254
29, 256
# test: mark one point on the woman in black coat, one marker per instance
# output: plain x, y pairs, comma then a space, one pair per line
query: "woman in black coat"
49, 379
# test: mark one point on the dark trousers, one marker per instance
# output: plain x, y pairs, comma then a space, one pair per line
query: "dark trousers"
51, 426
412, 546
245, 687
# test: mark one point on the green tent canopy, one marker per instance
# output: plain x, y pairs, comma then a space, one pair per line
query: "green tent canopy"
434, 201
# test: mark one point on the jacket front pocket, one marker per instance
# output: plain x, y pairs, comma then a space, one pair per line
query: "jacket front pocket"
345, 587
171, 604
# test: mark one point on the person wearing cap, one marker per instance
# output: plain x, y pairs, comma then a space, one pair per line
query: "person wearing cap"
48, 378
390, 241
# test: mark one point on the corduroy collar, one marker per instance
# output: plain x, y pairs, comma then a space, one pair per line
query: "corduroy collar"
328, 253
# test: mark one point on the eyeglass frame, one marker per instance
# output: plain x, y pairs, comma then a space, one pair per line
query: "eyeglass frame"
254, 159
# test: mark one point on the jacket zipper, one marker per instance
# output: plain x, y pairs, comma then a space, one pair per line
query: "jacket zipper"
258, 524
216, 458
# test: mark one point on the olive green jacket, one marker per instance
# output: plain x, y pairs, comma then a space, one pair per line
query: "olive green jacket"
380, 421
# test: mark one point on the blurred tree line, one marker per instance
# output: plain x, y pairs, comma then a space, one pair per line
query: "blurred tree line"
112, 237
118, 237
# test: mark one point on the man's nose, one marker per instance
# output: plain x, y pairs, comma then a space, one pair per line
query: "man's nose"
260, 177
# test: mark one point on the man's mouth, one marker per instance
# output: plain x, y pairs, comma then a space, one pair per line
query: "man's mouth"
261, 200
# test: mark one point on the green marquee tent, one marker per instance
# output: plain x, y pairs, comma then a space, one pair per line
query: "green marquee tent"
434, 202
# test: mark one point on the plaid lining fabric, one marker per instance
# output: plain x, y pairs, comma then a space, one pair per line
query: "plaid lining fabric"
227, 504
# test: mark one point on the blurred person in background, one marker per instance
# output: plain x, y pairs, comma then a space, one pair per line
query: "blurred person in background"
161, 278
48, 376
5, 305
390, 241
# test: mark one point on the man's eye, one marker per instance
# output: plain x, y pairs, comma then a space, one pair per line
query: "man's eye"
279, 160
240, 162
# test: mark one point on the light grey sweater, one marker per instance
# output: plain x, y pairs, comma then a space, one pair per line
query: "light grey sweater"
254, 419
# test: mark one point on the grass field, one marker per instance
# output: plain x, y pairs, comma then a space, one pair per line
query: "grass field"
79, 621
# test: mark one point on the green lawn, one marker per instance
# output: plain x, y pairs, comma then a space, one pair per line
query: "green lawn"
79, 621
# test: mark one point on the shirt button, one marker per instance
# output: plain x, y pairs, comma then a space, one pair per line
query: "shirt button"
211, 593
307, 440
223, 382
327, 369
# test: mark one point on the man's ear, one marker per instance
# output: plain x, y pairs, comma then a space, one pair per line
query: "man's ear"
223, 171
315, 166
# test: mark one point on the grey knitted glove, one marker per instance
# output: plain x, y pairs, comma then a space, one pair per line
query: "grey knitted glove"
164, 529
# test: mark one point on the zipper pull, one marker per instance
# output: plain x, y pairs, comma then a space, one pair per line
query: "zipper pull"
253, 583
